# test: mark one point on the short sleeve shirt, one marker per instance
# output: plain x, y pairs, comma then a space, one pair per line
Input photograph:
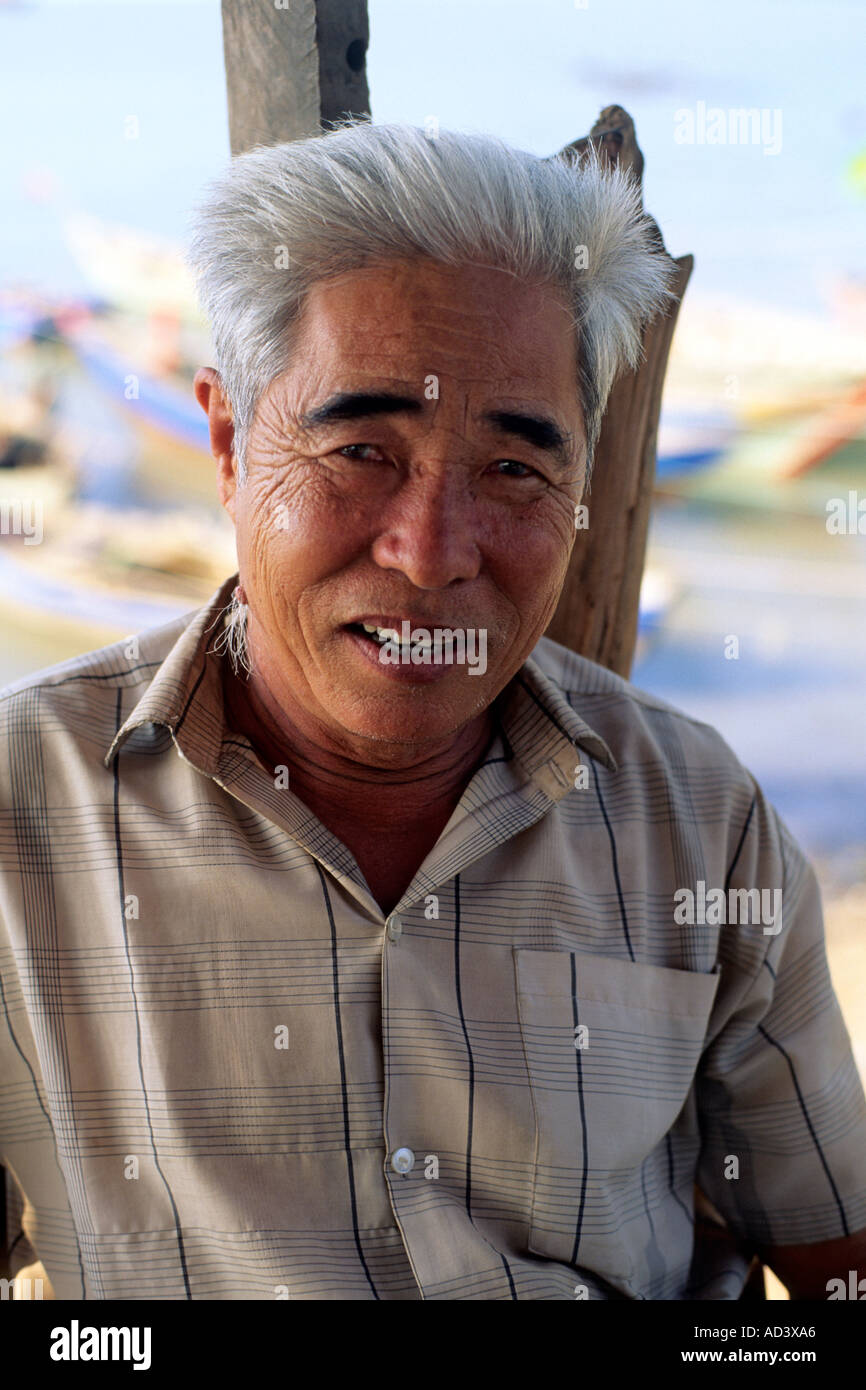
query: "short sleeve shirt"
225, 1073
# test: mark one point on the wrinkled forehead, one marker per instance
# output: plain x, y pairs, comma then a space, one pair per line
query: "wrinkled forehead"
472, 328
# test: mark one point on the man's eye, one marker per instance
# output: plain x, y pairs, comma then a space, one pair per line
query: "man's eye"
348, 448
515, 463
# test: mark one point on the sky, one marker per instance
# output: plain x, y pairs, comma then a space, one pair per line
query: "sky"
773, 224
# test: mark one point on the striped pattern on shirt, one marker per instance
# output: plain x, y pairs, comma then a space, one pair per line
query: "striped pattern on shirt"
225, 1074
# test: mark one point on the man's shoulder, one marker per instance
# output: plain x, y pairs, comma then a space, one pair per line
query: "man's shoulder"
671, 767
636, 725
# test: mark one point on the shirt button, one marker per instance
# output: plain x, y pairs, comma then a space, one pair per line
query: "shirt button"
395, 928
402, 1160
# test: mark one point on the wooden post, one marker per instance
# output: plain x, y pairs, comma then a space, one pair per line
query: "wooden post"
292, 69
597, 613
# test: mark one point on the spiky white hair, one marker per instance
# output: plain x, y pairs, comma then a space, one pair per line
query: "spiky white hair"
283, 217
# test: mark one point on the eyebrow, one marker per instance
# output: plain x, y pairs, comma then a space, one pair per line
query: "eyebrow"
537, 430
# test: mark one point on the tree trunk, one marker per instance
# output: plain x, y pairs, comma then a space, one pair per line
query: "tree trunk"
597, 614
289, 70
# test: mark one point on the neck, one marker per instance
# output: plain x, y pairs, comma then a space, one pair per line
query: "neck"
405, 785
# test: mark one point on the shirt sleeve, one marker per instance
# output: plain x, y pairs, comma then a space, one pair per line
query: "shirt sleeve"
781, 1104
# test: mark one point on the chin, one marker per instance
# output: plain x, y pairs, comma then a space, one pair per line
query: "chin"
406, 721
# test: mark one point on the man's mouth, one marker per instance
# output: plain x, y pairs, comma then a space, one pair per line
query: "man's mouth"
391, 631
414, 649
374, 633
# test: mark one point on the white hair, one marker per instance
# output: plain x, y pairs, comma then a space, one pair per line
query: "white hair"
283, 217
233, 638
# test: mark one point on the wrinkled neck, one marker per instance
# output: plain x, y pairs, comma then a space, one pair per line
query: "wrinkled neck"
404, 785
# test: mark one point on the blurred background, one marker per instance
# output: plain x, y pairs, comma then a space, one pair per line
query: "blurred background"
752, 614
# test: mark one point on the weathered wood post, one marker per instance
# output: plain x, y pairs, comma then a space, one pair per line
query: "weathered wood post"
598, 609
291, 70
292, 67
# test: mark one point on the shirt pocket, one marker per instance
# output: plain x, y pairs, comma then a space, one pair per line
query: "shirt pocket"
611, 1049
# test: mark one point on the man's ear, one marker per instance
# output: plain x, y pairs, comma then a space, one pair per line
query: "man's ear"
211, 396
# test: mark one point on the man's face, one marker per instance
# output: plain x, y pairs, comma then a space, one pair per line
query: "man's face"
446, 511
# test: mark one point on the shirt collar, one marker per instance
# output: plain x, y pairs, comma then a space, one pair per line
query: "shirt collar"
186, 692
542, 729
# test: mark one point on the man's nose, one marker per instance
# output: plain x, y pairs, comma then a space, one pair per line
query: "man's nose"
429, 530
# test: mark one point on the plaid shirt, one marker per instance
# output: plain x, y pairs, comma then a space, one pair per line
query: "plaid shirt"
224, 1074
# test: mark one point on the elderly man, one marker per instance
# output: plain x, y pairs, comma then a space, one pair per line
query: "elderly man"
358, 941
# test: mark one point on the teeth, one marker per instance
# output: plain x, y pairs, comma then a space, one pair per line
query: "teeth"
381, 633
